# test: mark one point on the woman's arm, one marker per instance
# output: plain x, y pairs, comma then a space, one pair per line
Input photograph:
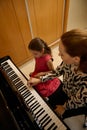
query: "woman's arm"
80, 99
33, 81
76, 101
41, 74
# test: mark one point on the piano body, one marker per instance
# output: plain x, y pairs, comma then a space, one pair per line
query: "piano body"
23, 108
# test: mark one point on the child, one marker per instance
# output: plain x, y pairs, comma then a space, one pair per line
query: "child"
43, 65
73, 51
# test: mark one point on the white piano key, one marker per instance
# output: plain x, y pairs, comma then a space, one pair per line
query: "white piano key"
7, 67
20, 88
42, 116
27, 97
46, 123
45, 119
26, 93
50, 126
30, 100
37, 109
10, 74
23, 92
32, 103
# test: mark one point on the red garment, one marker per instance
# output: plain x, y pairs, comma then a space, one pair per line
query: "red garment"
47, 88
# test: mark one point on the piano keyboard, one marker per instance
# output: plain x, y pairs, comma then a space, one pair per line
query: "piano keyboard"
45, 118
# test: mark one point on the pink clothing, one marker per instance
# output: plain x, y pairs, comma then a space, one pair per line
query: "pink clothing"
47, 88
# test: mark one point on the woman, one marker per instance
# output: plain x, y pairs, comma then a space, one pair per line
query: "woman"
73, 51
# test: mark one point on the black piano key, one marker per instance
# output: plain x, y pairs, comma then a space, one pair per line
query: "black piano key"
43, 117
55, 128
40, 113
32, 99
46, 123
35, 107
16, 80
29, 100
23, 92
4, 64
33, 104
8, 70
11, 73
19, 84
51, 126
22, 89
13, 77
27, 95
6, 67
26, 92
45, 120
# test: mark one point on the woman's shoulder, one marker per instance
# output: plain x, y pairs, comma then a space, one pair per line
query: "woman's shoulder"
83, 76
80, 78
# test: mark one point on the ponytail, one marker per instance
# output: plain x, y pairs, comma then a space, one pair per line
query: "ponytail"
47, 49
38, 44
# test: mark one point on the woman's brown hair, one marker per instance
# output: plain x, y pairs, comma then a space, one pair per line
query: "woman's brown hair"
38, 44
75, 42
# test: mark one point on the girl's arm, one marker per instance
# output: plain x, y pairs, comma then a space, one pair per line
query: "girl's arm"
50, 66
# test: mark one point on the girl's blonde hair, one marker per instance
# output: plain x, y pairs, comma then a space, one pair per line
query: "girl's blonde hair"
75, 42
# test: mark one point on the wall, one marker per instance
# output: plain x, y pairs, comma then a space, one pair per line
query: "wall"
15, 29
77, 17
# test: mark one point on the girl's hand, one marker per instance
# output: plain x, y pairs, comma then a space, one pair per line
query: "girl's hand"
60, 109
33, 81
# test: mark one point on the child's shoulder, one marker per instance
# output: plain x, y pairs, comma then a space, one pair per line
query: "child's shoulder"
47, 57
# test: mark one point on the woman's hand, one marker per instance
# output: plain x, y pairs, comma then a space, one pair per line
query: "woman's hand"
60, 109
40, 74
33, 81
30, 74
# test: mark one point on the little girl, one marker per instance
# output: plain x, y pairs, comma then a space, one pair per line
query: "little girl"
43, 64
